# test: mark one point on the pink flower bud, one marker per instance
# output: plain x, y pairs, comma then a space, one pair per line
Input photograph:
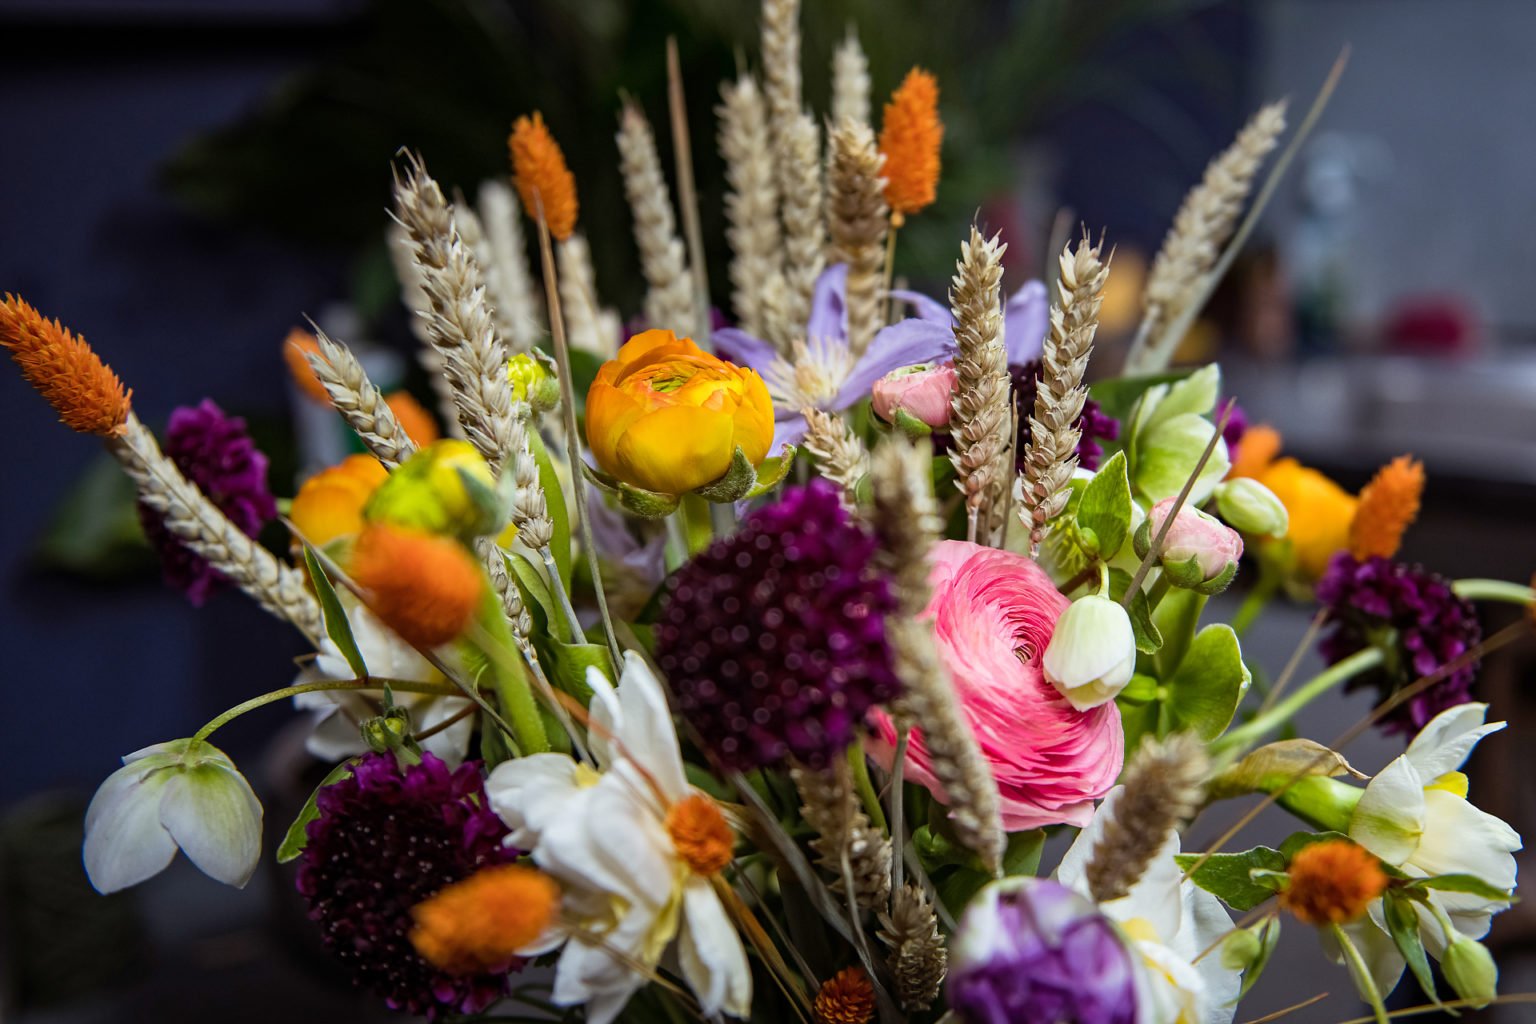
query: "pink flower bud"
1194, 535
923, 392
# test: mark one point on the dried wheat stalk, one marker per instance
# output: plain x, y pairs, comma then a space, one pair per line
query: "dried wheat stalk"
850, 80
918, 959
505, 259
857, 220
797, 155
905, 518
669, 295
751, 203
360, 402
1051, 454
402, 254
1163, 785
511, 597
197, 522
781, 62
831, 807
982, 428
842, 456
587, 326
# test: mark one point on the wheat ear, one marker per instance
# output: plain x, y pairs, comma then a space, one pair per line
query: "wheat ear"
1163, 786
857, 222
505, 258
841, 454
831, 807
918, 959
751, 201
587, 325
359, 401
850, 80
982, 428
797, 155
1051, 454
413, 296
669, 292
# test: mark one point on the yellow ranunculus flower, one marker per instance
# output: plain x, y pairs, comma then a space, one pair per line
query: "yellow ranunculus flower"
1320, 513
666, 416
330, 504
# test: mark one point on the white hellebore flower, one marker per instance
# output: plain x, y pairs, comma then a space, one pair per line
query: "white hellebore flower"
1415, 816
635, 848
1092, 653
178, 794
340, 713
1170, 923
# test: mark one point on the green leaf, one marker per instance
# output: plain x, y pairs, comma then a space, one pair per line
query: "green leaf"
1166, 455
1177, 617
1403, 926
297, 837
536, 594
1230, 876
1298, 841
772, 471
1269, 938
1463, 883
1117, 395
1148, 639
570, 664
1276, 764
1022, 856
554, 502
337, 626
1209, 683
1105, 507
1195, 394
95, 530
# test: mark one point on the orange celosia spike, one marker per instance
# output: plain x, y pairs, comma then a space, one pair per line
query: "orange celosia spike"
910, 136
414, 418
1332, 882
539, 171
1388, 504
480, 923
62, 367
424, 587
845, 998
1257, 449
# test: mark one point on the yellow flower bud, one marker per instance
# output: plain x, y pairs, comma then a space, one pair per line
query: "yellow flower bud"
532, 382
445, 488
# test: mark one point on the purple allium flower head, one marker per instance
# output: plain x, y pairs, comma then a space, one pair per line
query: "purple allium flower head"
386, 839
1032, 951
1095, 425
213, 451
1418, 620
774, 637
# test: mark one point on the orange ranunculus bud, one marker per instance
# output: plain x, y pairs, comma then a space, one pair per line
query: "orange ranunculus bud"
330, 504
666, 416
1320, 513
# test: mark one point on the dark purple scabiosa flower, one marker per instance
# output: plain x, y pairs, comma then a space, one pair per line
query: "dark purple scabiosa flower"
1095, 425
1032, 951
774, 638
213, 451
387, 838
1415, 618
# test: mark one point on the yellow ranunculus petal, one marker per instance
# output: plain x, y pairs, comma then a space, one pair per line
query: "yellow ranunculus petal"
610, 411
754, 418
674, 450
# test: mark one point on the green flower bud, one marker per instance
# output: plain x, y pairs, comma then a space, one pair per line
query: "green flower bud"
389, 731
1470, 969
533, 382
445, 488
1249, 506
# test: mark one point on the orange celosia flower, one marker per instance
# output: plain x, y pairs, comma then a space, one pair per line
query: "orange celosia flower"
83, 390
1257, 449
426, 588
700, 834
478, 924
845, 998
910, 135
296, 347
538, 169
1388, 504
330, 504
1332, 882
414, 418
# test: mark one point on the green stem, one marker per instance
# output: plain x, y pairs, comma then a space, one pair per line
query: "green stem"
509, 676
677, 539
1363, 980
557, 585
1283, 712
860, 766
1494, 590
1256, 600
402, 685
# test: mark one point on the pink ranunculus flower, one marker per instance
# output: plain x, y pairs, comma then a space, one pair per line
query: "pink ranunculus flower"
923, 392
993, 613
1196, 539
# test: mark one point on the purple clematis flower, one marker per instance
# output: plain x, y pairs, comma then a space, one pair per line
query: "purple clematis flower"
1026, 316
822, 371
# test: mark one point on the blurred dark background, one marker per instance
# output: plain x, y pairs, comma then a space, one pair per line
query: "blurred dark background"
183, 180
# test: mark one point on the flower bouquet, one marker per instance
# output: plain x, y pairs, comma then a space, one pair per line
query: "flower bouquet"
744, 670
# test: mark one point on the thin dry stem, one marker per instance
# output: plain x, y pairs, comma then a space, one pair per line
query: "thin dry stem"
981, 404
857, 222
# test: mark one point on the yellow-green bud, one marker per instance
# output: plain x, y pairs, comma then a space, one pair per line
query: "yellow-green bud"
533, 382
1470, 969
1249, 506
445, 488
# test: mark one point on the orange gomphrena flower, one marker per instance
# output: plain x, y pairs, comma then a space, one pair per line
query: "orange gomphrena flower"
1257, 449
424, 587
64, 370
296, 346
1332, 882
910, 134
538, 170
414, 418
478, 924
845, 998
1388, 504
700, 834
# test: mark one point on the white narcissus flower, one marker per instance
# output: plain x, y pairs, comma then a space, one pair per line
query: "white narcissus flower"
1092, 653
630, 845
1171, 922
340, 713
172, 795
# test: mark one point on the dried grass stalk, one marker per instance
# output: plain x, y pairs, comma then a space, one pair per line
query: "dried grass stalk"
751, 203
918, 959
587, 325
1164, 784
781, 62
850, 80
197, 522
359, 401
1051, 454
983, 417
797, 155
413, 295
669, 292
831, 807
906, 520
511, 598
857, 221
1206, 218
505, 259
842, 456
